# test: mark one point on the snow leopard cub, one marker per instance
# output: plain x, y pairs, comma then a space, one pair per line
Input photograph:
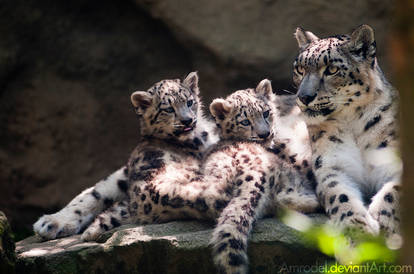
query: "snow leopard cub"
241, 178
174, 135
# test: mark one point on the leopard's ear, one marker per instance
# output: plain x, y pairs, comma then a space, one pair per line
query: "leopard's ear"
362, 43
264, 88
141, 99
191, 81
220, 108
304, 38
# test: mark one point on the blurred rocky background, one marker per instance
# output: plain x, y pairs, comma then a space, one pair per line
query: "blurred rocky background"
402, 65
67, 69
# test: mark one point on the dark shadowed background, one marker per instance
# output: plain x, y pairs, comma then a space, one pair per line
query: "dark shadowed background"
67, 69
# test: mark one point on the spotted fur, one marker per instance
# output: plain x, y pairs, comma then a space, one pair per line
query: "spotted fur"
351, 113
272, 167
81, 211
240, 180
174, 135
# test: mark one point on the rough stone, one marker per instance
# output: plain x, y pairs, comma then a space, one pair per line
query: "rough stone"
258, 35
7, 255
176, 247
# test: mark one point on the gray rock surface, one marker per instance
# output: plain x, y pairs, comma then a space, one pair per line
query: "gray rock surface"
259, 34
176, 247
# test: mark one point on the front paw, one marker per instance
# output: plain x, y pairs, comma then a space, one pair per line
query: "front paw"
55, 226
356, 221
385, 209
91, 233
387, 218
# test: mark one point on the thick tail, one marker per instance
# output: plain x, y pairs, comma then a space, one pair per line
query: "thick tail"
164, 201
230, 237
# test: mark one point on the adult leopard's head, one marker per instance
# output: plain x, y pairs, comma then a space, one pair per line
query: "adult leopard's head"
169, 109
334, 73
246, 114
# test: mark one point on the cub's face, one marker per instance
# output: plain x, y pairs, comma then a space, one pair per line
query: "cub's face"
169, 109
246, 114
332, 74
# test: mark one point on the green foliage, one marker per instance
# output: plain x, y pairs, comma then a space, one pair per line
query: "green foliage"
362, 248
354, 251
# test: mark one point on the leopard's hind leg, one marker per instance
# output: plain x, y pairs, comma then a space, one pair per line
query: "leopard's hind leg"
81, 211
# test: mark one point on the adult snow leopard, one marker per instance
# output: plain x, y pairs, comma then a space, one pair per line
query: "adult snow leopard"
351, 113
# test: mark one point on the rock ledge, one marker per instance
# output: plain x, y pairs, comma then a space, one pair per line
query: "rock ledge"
176, 247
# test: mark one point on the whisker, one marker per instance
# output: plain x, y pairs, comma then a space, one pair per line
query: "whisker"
290, 92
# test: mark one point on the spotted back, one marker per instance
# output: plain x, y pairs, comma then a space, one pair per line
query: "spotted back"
170, 109
333, 73
246, 114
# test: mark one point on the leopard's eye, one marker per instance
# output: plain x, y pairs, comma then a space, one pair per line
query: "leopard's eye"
300, 70
189, 103
169, 110
266, 114
331, 70
245, 122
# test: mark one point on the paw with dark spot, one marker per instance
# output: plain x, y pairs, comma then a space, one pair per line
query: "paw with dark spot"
385, 209
59, 225
97, 228
351, 217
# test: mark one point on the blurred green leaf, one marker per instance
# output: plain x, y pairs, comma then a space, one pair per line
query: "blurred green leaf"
331, 241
